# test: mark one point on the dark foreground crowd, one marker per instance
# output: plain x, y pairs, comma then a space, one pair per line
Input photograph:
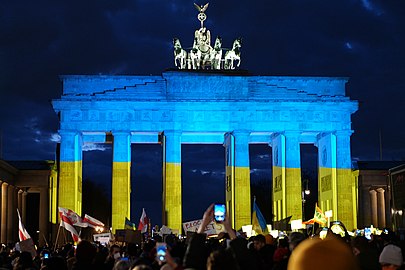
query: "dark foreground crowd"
228, 251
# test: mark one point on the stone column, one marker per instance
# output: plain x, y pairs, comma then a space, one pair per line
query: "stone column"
381, 207
24, 207
373, 202
293, 181
43, 216
229, 144
20, 195
1, 183
242, 179
287, 175
15, 216
4, 205
345, 182
327, 189
70, 171
10, 213
172, 203
121, 180
279, 190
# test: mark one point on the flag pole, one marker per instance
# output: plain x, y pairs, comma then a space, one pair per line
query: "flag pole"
57, 238
64, 236
46, 242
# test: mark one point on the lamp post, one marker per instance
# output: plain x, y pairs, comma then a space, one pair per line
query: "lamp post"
304, 192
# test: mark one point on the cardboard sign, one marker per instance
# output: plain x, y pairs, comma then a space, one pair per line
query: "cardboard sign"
211, 229
128, 236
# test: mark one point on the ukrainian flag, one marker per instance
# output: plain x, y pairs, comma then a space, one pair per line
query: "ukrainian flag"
259, 224
129, 224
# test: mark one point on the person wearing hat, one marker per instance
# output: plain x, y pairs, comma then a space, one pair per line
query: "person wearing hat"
331, 253
391, 258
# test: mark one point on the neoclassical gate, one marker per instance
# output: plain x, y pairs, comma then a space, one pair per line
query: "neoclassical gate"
231, 108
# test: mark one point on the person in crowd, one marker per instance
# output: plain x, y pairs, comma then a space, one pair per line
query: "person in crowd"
367, 257
85, 254
295, 239
101, 256
331, 253
265, 252
24, 262
199, 256
54, 263
142, 267
122, 265
223, 259
281, 254
391, 257
147, 256
113, 256
69, 250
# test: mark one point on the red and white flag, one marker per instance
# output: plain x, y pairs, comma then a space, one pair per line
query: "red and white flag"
92, 222
68, 218
22, 232
74, 218
143, 222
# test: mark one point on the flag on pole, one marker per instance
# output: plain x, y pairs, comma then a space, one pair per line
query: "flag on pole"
143, 222
67, 220
92, 222
319, 217
22, 232
259, 224
129, 224
74, 218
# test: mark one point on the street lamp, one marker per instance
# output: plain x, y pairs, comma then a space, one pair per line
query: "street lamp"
397, 216
304, 191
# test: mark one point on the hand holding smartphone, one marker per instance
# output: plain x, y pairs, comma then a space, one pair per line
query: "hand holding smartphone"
219, 212
161, 249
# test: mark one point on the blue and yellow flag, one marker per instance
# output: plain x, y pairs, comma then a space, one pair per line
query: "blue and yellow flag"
259, 224
129, 224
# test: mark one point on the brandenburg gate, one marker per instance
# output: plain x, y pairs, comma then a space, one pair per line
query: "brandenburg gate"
218, 105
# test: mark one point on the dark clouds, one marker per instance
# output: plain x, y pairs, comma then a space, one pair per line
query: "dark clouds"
360, 39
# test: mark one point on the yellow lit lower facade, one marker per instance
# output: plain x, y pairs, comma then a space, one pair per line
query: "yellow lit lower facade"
172, 196
70, 185
121, 191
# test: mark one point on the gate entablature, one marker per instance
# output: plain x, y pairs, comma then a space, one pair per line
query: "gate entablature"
187, 99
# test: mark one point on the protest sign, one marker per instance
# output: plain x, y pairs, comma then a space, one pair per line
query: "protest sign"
211, 229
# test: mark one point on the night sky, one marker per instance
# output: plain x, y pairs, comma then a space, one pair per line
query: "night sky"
40, 40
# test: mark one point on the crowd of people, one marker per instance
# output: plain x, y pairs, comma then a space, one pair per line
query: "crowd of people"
229, 250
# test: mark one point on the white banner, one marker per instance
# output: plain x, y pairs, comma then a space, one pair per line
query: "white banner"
103, 238
211, 229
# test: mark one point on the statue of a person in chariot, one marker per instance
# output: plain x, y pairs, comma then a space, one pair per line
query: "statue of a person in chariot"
202, 54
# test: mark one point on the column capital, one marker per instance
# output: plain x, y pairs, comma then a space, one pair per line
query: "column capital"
342, 133
372, 191
324, 134
121, 132
242, 132
69, 132
172, 132
292, 133
380, 190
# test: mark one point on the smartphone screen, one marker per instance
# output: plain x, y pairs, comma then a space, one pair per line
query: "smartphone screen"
367, 233
219, 212
161, 251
